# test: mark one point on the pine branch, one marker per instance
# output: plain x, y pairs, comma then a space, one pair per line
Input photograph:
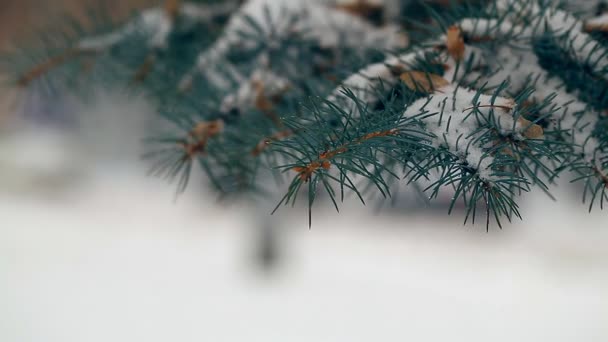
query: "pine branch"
497, 98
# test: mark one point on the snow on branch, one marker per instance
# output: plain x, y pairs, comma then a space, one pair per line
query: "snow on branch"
367, 84
570, 30
453, 115
158, 23
519, 66
314, 20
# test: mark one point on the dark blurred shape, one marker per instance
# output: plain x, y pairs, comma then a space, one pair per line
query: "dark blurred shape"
267, 247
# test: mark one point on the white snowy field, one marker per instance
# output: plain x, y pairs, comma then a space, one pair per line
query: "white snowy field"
108, 256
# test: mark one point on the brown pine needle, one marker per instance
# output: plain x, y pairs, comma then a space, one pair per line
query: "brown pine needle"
324, 161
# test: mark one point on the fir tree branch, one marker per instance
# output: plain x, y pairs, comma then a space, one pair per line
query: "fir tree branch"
280, 19
42, 69
497, 101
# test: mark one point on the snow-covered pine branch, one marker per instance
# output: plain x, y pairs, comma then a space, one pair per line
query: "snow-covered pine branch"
513, 66
324, 89
274, 20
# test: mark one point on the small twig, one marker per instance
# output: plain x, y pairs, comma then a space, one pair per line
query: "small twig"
324, 161
53, 62
145, 69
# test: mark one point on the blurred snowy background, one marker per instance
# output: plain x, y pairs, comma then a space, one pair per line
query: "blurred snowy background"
93, 250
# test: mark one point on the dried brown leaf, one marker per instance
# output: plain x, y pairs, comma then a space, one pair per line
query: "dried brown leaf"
455, 43
531, 130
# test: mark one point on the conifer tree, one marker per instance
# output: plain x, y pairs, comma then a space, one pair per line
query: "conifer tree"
483, 99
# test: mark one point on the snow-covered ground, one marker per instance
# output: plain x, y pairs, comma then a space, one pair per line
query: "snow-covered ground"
108, 256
